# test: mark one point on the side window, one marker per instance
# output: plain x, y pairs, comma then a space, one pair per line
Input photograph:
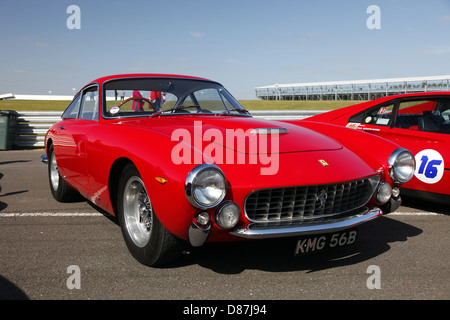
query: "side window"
444, 109
73, 108
380, 115
89, 104
410, 113
423, 115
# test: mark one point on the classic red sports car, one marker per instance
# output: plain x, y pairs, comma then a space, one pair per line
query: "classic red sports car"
419, 122
179, 161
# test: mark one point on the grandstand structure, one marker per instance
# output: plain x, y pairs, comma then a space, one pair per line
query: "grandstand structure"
352, 90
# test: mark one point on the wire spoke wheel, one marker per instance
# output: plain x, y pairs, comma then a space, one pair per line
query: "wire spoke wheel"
54, 172
61, 191
137, 212
146, 238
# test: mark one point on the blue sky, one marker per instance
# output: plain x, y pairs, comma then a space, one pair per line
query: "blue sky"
242, 44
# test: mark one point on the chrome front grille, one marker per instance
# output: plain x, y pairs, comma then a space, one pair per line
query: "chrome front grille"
309, 203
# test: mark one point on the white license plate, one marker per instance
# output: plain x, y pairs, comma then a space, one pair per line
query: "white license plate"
325, 241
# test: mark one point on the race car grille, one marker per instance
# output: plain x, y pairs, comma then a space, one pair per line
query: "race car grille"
309, 203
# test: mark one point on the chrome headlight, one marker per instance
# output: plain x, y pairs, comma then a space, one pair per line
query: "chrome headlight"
205, 186
401, 165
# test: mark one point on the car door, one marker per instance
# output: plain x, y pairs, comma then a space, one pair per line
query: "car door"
71, 154
421, 125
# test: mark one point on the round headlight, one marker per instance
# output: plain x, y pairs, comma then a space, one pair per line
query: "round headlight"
384, 193
402, 165
227, 215
205, 186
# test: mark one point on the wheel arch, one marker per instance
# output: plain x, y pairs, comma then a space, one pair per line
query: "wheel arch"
114, 180
48, 144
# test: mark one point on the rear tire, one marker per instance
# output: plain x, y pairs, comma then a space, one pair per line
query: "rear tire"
61, 191
146, 238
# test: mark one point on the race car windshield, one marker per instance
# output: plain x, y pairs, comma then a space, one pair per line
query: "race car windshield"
135, 97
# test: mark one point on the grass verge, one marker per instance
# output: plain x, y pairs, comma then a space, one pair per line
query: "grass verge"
53, 105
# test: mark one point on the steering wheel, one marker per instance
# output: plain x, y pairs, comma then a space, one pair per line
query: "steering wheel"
150, 103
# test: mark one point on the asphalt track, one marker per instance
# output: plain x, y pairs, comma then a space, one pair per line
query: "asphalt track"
45, 244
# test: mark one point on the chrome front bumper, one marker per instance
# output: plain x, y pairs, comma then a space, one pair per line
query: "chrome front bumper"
254, 232
197, 235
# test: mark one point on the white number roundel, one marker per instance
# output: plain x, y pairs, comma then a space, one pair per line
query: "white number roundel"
429, 166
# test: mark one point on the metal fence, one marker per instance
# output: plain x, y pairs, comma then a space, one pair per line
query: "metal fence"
33, 125
353, 90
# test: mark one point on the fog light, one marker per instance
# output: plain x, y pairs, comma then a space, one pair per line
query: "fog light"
202, 219
384, 193
227, 215
395, 192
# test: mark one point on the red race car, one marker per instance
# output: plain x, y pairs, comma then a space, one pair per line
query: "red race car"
180, 162
419, 122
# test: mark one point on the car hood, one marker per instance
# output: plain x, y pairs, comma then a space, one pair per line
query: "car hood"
237, 133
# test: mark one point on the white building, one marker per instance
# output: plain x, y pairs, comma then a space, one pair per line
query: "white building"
352, 90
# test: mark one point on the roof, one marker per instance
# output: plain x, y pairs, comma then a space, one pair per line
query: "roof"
142, 75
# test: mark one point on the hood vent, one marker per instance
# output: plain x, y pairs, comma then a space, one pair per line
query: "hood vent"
269, 131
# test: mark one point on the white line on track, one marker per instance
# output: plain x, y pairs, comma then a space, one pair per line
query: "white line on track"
97, 214
415, 213
50, 214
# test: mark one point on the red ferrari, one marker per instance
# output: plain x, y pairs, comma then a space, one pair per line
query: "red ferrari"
180, 162
419, 122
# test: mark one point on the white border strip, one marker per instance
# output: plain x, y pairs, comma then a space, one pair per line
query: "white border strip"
415, 213
98, 214
50, 214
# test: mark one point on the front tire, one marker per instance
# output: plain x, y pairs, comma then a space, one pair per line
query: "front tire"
146, 238
61, 191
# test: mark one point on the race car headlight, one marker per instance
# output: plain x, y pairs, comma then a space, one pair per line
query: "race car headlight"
205, 186
401, 165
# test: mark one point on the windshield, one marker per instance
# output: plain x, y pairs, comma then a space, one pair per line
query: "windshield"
133, 97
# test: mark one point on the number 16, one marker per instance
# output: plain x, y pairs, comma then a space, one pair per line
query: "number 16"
430, 170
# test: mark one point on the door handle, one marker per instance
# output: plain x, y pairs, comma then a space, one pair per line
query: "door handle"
62, 127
